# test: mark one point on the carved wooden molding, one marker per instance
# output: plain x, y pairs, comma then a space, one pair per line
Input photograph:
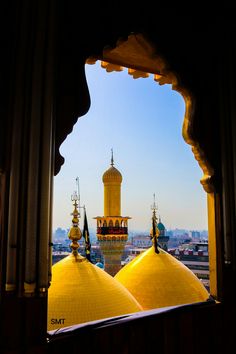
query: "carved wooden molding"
187, 132
139, 56
111, 67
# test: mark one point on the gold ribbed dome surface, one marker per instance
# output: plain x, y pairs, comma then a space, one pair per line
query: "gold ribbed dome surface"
112, 175
159, 280
81, 292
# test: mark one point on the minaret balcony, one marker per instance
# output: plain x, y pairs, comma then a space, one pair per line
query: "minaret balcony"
112, 230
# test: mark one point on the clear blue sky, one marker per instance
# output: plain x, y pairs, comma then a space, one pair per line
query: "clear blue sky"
142, 122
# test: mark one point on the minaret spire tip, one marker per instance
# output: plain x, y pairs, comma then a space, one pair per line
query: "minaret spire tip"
112, 159
154, 205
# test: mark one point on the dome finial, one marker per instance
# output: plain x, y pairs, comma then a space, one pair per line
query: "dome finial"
75, 232
154, 231
154, 205
112, 159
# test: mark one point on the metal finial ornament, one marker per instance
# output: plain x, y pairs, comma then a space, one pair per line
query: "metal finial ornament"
154, 231
112, 159
154, 205
75, 232
78, 191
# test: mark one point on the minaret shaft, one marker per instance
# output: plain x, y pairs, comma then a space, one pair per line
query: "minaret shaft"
112, 199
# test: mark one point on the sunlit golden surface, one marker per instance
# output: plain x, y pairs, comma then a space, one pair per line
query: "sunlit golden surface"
112, 179
112, 175
159, 280
82, 292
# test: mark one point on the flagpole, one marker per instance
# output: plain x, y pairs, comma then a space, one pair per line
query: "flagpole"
86, 236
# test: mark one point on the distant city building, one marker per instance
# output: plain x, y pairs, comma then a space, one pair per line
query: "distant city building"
112, 228
95, 253
195, 234
141, 241
169, 233
131, 253
59, 235
195, 256
58, 256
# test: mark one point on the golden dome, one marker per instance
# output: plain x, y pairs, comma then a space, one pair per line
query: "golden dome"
158, 280
82, 292
112, 175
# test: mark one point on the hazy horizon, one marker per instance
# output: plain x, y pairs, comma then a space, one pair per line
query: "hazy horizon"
130, 230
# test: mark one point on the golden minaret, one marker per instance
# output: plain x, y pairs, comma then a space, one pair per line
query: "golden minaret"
112, 228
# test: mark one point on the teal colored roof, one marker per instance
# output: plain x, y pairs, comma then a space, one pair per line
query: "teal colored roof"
160, 226
100, 265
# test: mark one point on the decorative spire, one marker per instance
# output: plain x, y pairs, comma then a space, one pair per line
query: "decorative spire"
78, 192
154, 206
112, 160
154, 232
75, 232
